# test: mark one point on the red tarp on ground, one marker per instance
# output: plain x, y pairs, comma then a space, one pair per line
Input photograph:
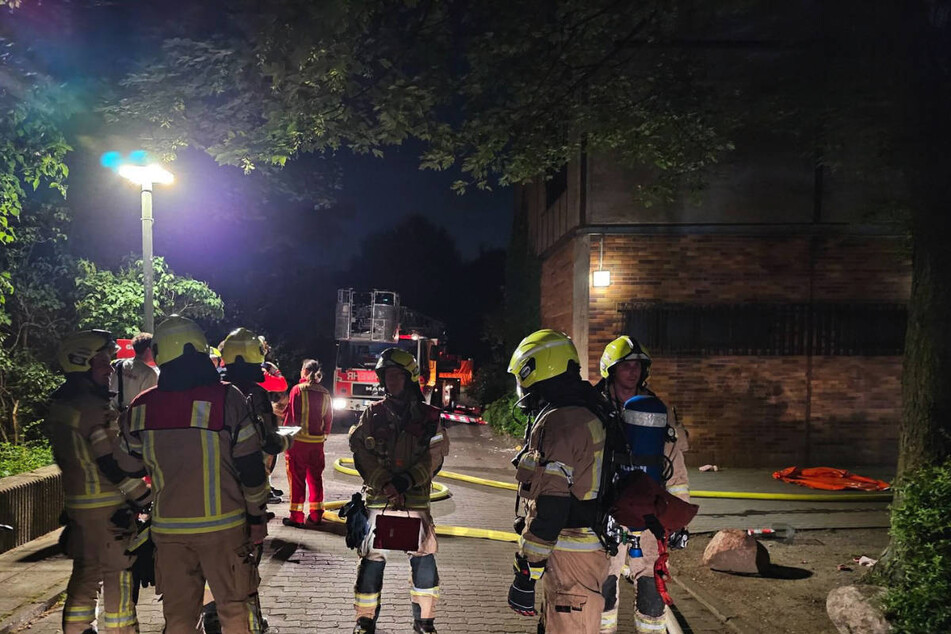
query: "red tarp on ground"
829, 479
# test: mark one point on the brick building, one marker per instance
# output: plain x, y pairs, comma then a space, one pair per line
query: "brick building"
774, 314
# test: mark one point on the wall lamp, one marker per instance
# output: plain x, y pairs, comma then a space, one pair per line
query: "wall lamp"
601, 278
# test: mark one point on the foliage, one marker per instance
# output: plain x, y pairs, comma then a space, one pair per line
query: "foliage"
490, 383
505, 417
16, 459
32, 108
501, 91
917, 601
34, 318
113, 301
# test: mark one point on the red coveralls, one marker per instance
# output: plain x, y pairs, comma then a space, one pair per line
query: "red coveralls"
310, 408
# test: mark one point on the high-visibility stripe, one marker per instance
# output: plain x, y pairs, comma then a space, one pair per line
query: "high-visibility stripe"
201, 414
529, 546
191, 525
79, 613
211, 471
316, 506
299, 438
245, 433
366, 600
609, 621
98, 435
118, 619
581, 540
137, 418
677, 489
646, 624
560, 469
129, 485
305, 412
597, 436
90, 468
151, 461
425, 592
94, 501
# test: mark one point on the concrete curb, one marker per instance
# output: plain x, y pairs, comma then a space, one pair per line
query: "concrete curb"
26, 614
733, 623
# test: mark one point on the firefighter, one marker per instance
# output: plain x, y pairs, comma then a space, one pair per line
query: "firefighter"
398, 445
134, 375
625, 367
310, 408
82, 430
195, 437
242, 354
558, 473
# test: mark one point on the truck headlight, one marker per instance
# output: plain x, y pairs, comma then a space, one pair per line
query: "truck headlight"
340, 403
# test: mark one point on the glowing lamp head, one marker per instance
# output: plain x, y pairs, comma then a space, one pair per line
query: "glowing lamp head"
339, 403
145, 174
601, 279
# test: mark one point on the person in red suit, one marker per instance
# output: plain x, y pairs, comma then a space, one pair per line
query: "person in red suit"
310, 409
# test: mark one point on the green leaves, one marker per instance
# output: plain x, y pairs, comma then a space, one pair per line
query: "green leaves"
114, 301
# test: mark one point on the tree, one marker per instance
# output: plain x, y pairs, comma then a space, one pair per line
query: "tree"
113, 301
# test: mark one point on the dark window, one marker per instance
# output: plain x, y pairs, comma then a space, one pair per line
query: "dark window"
556, 186
768, 329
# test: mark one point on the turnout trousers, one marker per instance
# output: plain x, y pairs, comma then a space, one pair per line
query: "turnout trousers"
424, 577
649, 608
572, 601
225, 559
97, 548
305, 468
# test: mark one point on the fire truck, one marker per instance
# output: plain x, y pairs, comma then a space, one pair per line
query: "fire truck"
369, 322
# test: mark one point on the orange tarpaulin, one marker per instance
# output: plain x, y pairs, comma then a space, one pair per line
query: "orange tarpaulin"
829, 479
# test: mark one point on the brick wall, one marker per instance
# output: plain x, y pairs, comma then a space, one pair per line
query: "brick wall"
557, 286
731, 404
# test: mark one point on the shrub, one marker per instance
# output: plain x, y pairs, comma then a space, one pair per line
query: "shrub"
505, 417
16, 459
917, 599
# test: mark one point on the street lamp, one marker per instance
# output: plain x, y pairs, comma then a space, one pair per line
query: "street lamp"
146, 175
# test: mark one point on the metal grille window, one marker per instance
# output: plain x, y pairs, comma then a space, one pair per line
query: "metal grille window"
768, 329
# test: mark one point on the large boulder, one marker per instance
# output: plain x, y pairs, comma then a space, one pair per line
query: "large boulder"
732, 550
857, 610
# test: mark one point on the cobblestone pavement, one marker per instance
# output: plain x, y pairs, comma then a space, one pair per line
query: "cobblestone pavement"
308, 576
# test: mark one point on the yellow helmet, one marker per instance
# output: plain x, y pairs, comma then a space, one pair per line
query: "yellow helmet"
172, 335
244, 344
540, 356
397, 358
625, 348
78, 349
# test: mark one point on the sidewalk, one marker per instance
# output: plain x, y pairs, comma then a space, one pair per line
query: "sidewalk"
307, 576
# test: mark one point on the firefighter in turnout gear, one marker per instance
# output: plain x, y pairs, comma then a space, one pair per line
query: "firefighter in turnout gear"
82, 428
309, 407
398, 445
195, 436
657, 443
243, 356
559, 477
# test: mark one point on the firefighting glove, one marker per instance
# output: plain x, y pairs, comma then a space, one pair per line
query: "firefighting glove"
518, 525
522, 592
678, 539
358, 525
123, 518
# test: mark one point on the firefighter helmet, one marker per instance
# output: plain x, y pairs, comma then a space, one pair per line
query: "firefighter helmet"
172, 335
397, 358
242, 344
77, 350
542, 355
622, 349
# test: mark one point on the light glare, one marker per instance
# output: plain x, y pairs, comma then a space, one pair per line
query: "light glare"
601, 279
145, 174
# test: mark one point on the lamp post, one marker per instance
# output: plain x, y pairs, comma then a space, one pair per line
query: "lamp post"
146, 176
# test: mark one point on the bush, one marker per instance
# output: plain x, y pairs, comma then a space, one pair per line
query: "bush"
505, 417
16, 459
917, 600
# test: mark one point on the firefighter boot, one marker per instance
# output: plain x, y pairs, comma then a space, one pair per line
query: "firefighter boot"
424, 626
364, 626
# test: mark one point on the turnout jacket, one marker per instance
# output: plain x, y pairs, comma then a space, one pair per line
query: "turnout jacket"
559, 477
396, 438
310, 407
203, 453
82, 428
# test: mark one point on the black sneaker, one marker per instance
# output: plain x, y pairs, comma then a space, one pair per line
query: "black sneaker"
274, 499
276, 492
364, 626
289, 522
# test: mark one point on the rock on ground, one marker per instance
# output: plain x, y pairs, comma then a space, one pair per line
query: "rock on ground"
732, 550
856, 610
